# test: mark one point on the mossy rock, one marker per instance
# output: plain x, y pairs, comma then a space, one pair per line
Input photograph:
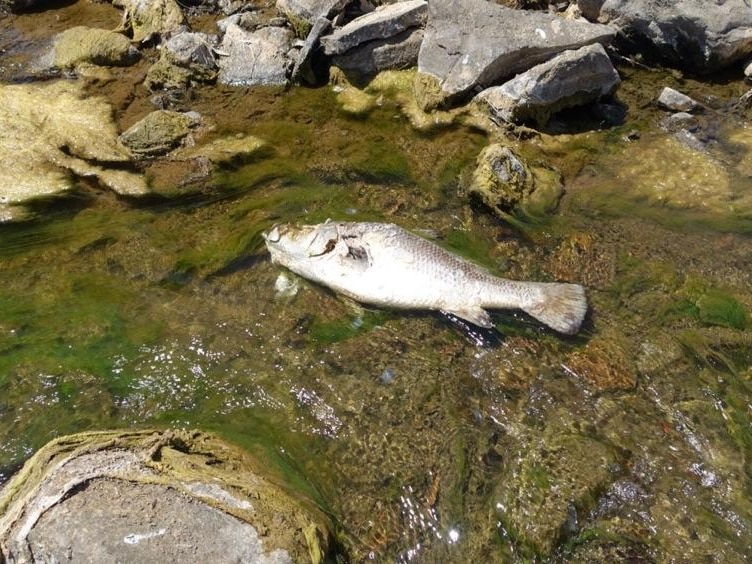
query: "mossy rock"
508, 185
148, 19
159, 132
80, 45
169, 73
155, 496
428, 94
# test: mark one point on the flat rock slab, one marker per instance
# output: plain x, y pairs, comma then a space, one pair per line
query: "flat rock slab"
695, 35
255, 58
149, 496
471, 45
572, 78
385, 21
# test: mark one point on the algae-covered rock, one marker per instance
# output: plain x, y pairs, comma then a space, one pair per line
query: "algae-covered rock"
505, 183
582, 257
51, 135
551, 486
237, 150
184, 59
154, 496
159, 132
147, 19
80, 45
698, 181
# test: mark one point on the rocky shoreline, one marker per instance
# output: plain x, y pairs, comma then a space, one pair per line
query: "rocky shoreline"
497, 67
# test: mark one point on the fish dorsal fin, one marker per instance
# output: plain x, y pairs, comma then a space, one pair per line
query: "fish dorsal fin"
475, 315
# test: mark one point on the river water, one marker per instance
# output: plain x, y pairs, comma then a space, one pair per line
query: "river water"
425, 443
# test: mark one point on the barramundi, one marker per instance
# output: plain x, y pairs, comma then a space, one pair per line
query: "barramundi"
384, 265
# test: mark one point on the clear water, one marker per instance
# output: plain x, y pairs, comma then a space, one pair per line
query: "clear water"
631, 440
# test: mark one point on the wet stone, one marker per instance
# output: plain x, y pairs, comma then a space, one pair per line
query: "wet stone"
147, 496
674, 100
159, 132
80, 45
550, 487
506, 183
151, 20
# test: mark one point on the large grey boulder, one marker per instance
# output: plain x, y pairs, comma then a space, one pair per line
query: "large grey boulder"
697, 35
397, 52
572, 78
473, 44
255, 58
385, 21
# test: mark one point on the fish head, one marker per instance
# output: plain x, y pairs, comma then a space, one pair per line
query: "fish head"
289, 244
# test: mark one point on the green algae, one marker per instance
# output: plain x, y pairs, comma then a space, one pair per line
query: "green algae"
170, 278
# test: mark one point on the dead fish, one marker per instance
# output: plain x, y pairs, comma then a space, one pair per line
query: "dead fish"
384, 265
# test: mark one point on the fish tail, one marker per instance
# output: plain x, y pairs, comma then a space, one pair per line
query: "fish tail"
560, 306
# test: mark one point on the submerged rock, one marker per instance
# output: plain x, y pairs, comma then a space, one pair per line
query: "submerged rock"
384, 22
692, 34
81, 45
505, 183
550, 488
155, 496
159, 132
473, 44
52, 133
257, 58
151, 19
573, 78
236, 150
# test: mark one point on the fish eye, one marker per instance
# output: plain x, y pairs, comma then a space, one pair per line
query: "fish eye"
273, 235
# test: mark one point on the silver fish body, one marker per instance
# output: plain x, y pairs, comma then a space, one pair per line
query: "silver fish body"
385, 265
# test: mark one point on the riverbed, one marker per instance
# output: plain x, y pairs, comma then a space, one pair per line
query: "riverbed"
424, 440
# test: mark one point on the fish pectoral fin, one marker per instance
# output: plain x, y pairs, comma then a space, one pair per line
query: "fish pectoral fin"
475, 315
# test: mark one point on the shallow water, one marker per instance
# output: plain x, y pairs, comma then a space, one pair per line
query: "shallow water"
630, 441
